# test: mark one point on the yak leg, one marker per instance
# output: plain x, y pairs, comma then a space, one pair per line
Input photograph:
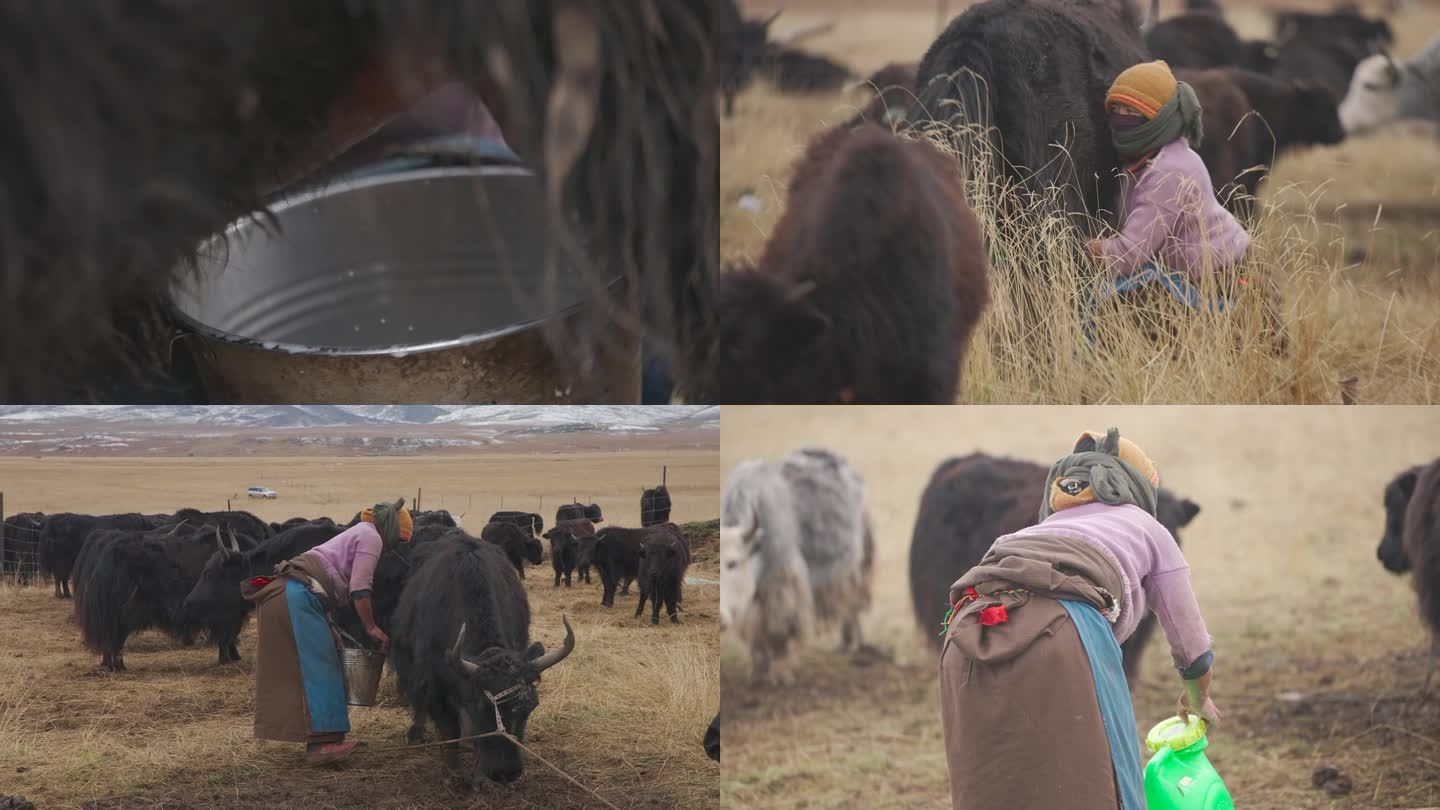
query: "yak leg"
447, 725
64, 585
1434, 662
625, 591
557, 578
640, 605
416, 732
654, 603
672, 606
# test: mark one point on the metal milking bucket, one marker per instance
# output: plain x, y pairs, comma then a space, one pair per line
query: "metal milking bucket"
419, 285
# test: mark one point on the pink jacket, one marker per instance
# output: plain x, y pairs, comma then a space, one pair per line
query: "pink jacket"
350, 558
1155, 572
1169, 212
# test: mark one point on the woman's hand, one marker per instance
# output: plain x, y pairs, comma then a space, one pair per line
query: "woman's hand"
374, 631
1095, 248
1196, 699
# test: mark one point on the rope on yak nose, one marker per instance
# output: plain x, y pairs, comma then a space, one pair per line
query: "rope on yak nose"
500, 731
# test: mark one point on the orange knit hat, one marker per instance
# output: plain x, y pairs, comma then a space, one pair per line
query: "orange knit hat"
404, 520
1147, 87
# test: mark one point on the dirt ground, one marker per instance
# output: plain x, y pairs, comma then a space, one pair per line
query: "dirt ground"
625, 715
1353, 241
1320, 654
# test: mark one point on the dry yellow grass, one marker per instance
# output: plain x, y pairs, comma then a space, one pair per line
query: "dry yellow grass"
1283, 561
1350, 237
624, 715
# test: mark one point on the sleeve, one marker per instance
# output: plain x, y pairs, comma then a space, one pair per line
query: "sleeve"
1173, 601
1147, 225
368, 547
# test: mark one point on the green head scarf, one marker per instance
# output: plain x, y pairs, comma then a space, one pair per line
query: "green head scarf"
1113, 481
1179, 116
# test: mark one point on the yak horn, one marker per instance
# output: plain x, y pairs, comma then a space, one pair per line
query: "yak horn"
468, 668
234, 543
220, 541
766, 22
822, 27
176, 529
1152, 16
554, 657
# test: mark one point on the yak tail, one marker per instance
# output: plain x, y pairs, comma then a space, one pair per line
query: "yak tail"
46, 549
108, 588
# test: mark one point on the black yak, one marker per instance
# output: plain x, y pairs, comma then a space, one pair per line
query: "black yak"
664, 559
1033, 74
1411, 542
529, 521
1326, 48
243, 523
1249, 119
893, 87
216, 595
462, 646
63, 536
655, 506
974, 499
132, 137
277, 528
21, 533
712, 739
868, 288
615, 553
742, 46
565, 539
134, 580
580, 511
1197, 41
519, 545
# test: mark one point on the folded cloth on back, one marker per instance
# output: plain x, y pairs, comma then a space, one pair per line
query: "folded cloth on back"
1014, 572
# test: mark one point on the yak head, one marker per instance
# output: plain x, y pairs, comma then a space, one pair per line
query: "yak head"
534, 551
739, 571
1370, 102
219, 583
585, 550
1174, 512
1397, 500
498, 682
560, 540
592, 511
656, 558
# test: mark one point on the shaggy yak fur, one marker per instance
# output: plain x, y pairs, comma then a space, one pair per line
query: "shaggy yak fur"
1026, 79
236, 521
869, 287
655, 506
518, 544
664, 559
972, 500
565, 540
21, 541
127, 581
797, 555
462, 634
134, 133
63, 536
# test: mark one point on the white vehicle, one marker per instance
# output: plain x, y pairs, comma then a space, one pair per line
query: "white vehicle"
261, 492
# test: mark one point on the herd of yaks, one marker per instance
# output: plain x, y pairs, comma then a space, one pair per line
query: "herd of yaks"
876, 274
444, 590
796, 546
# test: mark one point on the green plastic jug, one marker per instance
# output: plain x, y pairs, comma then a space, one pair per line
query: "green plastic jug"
1178, 776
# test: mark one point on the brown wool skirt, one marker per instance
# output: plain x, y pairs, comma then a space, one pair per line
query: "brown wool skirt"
1023, 729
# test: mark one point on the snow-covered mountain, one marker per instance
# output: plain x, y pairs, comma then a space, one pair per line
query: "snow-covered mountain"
538, 417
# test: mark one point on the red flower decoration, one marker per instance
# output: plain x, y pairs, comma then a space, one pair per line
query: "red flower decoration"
972, 593
260, 582
995, 614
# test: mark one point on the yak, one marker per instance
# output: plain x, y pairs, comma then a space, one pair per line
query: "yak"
1411, 542
797, 554
1383, 91
519, 545
63, 536
580, 511
664, 559
240, 522
198, 115
277, 528
529, 521
1249, 119
565, 539
893, 87
216, 594
1326, 48
655, 506
132, 580
742, 46
615, 553
1025, 80
712, 739
21, 546
974, 499
1198, 41
463, 653
869, 287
